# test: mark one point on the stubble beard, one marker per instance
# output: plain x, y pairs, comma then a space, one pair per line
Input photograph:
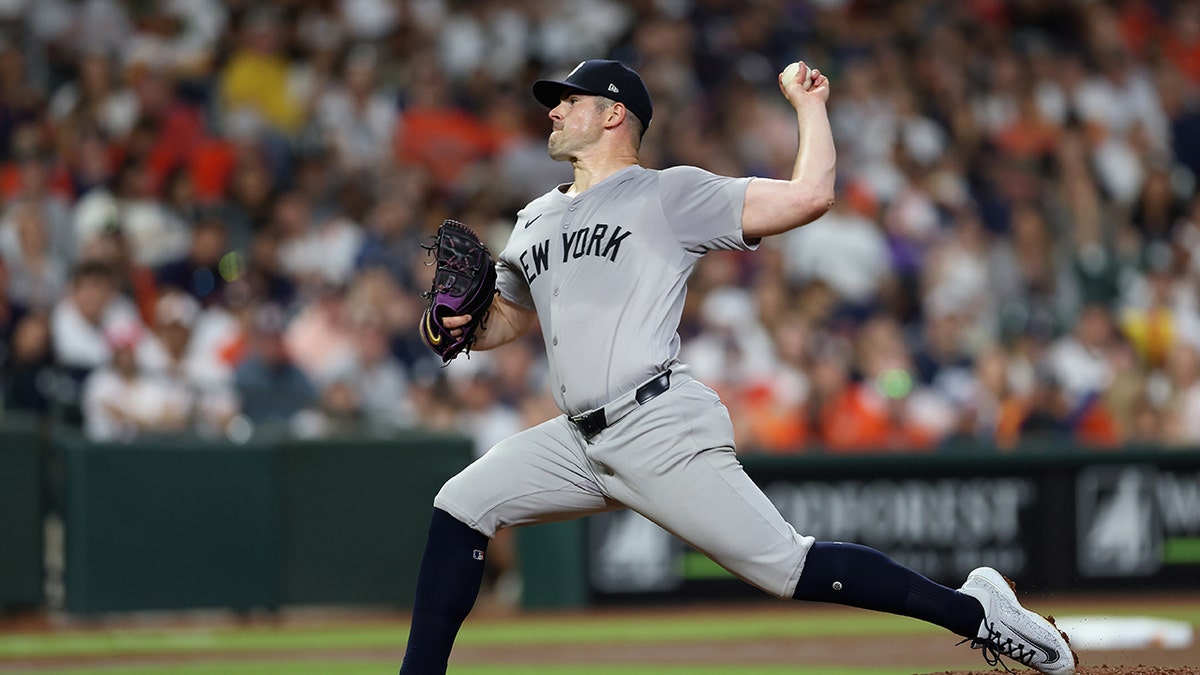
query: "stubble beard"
554, 147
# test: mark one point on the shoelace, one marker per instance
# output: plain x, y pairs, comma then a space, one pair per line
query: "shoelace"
992, 648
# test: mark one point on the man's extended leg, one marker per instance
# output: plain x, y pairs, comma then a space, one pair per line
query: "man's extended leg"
696, 489
850, 574
447, 585
985, 610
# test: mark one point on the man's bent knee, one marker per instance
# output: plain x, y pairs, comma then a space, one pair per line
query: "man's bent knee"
455, 498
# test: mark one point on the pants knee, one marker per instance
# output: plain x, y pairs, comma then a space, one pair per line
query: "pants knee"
455, 498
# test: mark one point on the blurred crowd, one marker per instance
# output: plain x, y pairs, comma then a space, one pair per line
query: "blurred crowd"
211, 213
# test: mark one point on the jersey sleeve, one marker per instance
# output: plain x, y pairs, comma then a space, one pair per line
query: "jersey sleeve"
511, 282
704, 210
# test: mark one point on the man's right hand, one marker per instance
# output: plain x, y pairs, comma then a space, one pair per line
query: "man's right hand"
456, 323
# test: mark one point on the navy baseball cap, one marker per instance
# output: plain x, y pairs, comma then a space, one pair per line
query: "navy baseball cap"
611, 79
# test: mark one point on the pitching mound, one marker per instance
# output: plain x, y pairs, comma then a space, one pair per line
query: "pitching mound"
1099, 670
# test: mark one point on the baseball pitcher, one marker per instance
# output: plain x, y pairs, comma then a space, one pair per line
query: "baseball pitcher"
602, 264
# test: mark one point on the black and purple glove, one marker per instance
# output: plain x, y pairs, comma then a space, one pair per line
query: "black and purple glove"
463, 283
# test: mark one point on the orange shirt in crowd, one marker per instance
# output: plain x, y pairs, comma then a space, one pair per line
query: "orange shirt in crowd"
1185, 56
445, 141
858, 420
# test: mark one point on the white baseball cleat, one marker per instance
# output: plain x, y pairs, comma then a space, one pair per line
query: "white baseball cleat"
1010, 630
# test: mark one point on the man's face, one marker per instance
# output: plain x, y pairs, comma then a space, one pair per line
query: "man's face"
578, 122
91, 294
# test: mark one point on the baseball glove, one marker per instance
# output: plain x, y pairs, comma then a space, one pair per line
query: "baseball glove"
463, 283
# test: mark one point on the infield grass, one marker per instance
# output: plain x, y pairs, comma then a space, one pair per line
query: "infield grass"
574, 629
342, 668
331, 649
542, 630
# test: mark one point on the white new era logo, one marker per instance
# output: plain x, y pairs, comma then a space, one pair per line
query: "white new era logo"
613, 88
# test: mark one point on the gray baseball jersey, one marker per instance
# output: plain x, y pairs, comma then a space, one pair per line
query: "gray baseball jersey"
606, 272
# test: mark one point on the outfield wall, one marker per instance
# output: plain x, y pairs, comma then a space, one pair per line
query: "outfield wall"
180, 524
172, 523
21, 507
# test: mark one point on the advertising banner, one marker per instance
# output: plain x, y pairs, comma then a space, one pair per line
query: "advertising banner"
1070, 521
1138, 521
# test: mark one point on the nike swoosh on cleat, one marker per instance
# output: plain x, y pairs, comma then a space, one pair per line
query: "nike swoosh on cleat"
1051, 653
530, 221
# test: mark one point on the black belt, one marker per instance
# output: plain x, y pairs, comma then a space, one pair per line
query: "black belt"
593, 422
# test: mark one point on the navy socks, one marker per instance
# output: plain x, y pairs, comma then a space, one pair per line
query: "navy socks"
845, 574
447, 585
858, 576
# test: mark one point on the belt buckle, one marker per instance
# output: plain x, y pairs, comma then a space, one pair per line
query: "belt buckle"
590, 423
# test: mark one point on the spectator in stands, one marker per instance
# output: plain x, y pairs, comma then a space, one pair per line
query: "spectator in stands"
37, 183
1046, 412
943, 359
1182, 408
37, 278
97, 99
27, 378
964, 282
339, 413
180, 352
249, 199
88, 160
775, 422
320, 338
380, 381
481, 414
1079, 360
134, 281
259, 96
1032, 277
1161, 311
122, 401
20, 101
436, 132
1126, 394
357, 119
272, 391
393, 234
156, 235
181, 203
199, 271
845, 249
433, 399
316, 252
1158, 208
80, 319
989, 416
264, 277
843, 415
917, 415
1122, 106
11, 311
256, 77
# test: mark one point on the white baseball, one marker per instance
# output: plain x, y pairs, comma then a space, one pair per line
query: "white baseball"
790, 73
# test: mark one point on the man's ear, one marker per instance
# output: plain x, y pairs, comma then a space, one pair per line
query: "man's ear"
616, 115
